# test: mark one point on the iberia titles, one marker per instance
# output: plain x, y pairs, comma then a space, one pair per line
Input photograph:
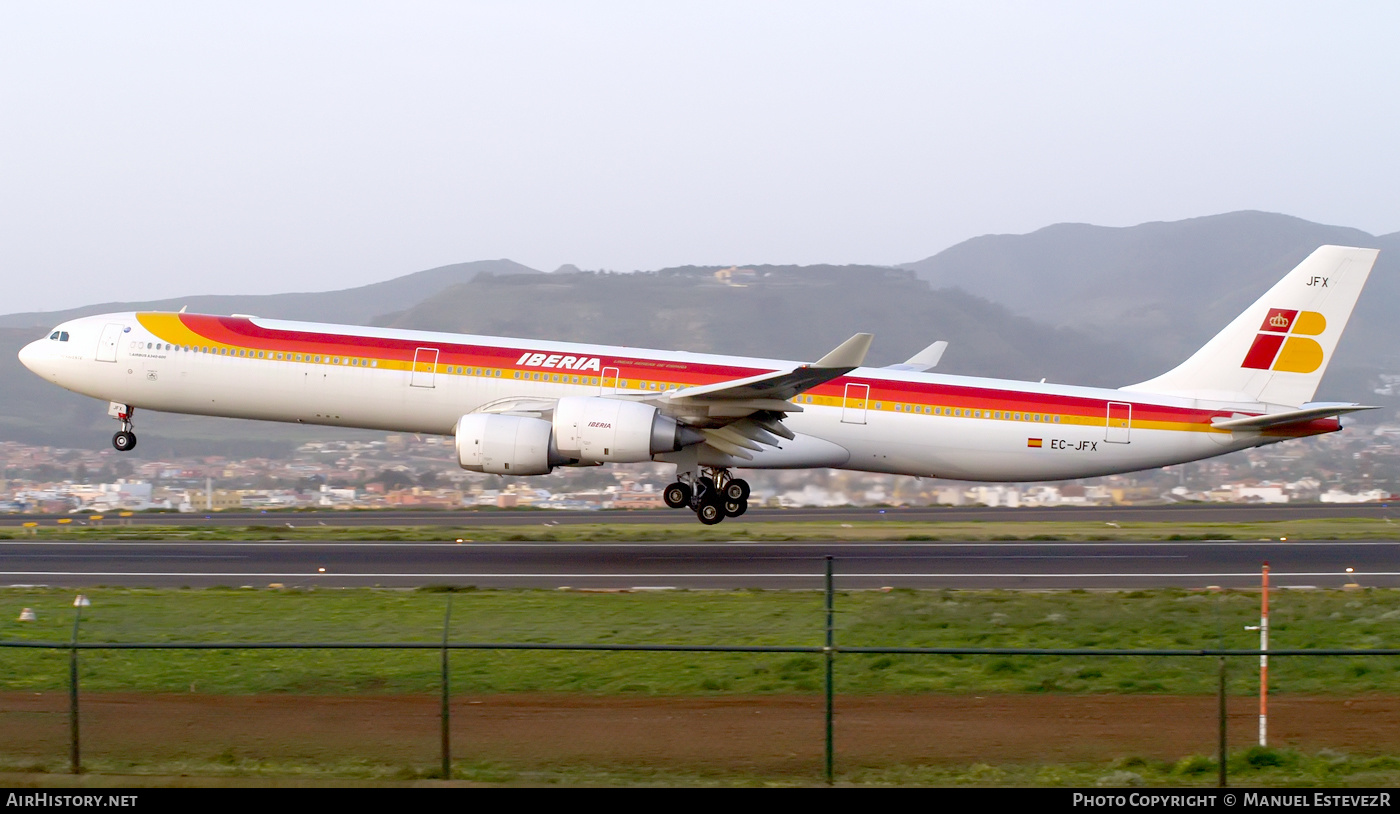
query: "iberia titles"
560, 361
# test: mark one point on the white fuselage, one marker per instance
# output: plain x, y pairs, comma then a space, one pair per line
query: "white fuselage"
412, 381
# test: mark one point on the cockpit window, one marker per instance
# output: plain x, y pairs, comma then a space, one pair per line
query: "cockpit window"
59, 336
54, 335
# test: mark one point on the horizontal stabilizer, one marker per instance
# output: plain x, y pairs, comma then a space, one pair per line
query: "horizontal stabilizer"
1306, 414
926, 359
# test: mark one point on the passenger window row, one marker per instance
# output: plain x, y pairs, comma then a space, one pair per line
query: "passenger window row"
925, 409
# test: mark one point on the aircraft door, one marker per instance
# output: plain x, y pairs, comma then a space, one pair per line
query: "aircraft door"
609, 381
424, 367
854, 404
107, 343
1119, 422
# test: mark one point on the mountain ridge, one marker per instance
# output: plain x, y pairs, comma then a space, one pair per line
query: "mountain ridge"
357, 304
1076, 303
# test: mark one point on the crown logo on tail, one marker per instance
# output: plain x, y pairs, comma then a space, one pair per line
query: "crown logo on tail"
1279, 346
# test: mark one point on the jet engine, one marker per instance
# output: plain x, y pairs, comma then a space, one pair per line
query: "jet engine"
583, 431
594, 430
505, 444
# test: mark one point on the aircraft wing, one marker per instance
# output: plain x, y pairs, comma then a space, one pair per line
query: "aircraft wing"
784, 384
737, 417
742, 416
1301, 416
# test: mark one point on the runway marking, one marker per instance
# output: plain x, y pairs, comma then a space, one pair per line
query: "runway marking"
650, 575
734, 544
878, 555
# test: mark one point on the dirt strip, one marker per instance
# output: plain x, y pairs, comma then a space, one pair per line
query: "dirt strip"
778, 734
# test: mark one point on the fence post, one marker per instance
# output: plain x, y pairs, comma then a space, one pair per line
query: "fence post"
446, 713
75, 765
1224, 752
830, 659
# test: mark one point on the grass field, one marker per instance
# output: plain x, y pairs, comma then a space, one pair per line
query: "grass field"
307, 527
1161, 619
1116, 620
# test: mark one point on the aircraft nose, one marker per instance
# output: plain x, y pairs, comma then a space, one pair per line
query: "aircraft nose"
30, 356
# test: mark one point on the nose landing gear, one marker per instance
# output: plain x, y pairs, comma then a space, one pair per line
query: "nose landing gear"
713, 495
125, 439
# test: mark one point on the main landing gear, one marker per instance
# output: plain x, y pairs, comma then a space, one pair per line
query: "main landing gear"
125, 439
713, 495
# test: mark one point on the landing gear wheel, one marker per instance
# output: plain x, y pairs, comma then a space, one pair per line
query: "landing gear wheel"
125, 439
710, 513
711, 492
677, 495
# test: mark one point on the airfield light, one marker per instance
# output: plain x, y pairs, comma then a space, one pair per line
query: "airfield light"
322, 570
82, 601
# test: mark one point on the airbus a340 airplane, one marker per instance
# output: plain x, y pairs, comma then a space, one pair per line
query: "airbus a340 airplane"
522, 407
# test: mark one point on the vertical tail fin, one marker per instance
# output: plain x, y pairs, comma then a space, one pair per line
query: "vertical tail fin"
1278, 349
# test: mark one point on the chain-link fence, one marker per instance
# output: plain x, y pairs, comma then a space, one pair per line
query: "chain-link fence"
824, 710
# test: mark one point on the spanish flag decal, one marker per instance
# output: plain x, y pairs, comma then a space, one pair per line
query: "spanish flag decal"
1034, 442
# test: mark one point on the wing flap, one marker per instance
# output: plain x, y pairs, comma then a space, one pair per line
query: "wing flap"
738, 408
712, 438
735, 438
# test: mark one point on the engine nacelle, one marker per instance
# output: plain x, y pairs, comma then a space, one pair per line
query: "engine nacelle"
597, 430
584, 431
505, 444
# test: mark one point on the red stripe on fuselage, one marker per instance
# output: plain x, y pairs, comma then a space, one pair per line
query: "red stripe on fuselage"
243, 332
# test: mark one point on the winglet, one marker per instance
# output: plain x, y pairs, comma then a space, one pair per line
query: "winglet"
849, 354
926, 359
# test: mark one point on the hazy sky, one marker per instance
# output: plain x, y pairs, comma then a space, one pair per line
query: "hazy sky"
159, 149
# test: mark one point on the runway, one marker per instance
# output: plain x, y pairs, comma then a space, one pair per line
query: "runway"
1178, 513
797, 565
